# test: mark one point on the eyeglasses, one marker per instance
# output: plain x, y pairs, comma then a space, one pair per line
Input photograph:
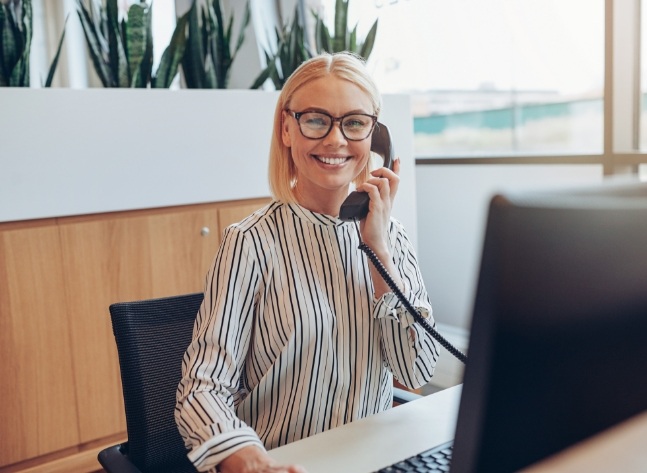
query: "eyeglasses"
317, 125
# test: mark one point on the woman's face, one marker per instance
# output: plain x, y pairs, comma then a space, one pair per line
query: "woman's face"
326, 166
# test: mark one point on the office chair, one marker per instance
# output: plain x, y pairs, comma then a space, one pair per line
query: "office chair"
152, 336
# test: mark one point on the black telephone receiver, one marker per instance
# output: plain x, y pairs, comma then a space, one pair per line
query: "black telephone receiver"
355, 207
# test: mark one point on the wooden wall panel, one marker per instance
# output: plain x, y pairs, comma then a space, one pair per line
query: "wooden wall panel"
182, 247
38, 402
58, 278
105, 261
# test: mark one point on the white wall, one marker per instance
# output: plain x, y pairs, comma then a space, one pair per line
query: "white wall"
452, 204
73, 152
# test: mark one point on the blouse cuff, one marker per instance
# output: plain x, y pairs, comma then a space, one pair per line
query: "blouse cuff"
389, 307
208, 455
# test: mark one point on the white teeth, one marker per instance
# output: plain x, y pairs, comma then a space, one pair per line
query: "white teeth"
323, 159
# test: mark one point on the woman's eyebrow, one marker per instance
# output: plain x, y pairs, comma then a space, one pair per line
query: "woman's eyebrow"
323, 110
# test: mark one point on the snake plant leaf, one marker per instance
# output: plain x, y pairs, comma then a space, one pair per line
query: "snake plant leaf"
218, 27
114, 38
341, 25
27, 28
241, 33
265, 73
352, 40
92, 40
9, 52
210, 79
15, 36
369, 42
52, 67
217, 61
322, 35
136, 42
146, 66
193, 60
172, 56
290, 53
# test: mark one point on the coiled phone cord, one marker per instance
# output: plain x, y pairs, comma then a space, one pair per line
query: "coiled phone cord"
412, 310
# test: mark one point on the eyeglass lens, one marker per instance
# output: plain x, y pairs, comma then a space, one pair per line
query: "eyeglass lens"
317, 125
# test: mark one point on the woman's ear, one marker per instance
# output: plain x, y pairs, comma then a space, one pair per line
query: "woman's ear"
285, 130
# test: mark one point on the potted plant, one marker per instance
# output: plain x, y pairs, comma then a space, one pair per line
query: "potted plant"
293, 48
210, 50
122, 52
344, 38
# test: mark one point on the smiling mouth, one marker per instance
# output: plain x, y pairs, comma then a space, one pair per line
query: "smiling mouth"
330, 160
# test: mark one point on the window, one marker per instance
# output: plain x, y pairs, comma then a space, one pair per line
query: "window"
493, 77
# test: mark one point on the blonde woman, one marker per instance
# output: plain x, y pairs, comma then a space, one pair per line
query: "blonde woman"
298, 333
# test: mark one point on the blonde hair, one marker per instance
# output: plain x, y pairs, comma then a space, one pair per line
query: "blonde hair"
346, 66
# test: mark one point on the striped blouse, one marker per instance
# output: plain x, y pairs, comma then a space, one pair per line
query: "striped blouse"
290, 341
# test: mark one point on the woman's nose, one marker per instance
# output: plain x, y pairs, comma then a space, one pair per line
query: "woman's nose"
336, 135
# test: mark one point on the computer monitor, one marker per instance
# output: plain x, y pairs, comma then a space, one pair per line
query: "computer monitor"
558, 344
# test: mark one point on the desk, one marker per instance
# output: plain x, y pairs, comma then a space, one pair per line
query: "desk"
374, 442
369, 444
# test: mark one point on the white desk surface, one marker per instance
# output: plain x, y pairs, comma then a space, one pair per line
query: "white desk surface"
369, 444
372, 443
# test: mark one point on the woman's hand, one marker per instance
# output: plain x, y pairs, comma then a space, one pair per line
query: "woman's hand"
252, 459
381, 188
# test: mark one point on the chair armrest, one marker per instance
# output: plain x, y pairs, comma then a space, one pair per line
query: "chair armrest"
113, 460
402, 396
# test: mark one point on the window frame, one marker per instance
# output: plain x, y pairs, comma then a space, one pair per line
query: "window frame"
621, 111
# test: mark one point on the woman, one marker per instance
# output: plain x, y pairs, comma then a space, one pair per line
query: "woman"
298, 333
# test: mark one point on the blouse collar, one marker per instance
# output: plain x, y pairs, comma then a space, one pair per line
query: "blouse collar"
314, 217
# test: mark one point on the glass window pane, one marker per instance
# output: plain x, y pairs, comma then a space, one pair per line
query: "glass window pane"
493, 76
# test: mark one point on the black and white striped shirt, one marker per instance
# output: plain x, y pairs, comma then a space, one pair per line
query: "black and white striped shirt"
290, 341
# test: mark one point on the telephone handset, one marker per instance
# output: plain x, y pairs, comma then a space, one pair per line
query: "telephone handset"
355, 207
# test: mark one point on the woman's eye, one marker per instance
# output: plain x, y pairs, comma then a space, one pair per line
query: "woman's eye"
316, 122
356, 122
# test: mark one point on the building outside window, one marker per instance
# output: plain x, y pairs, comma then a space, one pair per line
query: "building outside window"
493, 77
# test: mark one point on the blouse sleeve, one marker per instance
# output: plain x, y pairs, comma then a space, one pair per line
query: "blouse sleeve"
212, 366
408, 349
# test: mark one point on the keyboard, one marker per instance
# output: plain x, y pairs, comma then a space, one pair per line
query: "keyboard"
435, 459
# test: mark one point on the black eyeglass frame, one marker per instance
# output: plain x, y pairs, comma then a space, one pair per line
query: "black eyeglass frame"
298, 115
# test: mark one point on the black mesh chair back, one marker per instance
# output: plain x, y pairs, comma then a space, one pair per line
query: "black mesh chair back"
151, 336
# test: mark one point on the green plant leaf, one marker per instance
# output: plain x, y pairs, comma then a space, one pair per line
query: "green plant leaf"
9, 52
15, 39
323, 41
114, 41
52, 67
193, 60
369, 42
92, 38
27, 28
219, 60
211, 81
172, 55
341, 25
147, 62
136, 42
270, 62
352, 40
243, 27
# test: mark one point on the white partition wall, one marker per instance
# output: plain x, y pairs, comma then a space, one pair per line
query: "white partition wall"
72, 152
